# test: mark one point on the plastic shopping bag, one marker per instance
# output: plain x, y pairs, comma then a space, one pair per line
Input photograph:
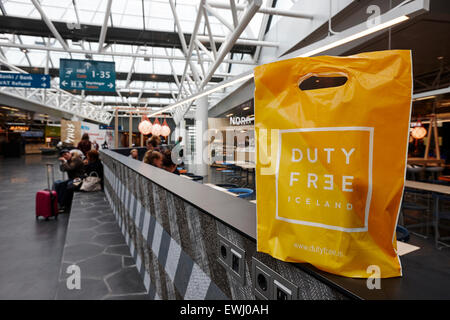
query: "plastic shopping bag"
331, 160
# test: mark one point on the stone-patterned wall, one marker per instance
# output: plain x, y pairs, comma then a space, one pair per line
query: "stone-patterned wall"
175, 244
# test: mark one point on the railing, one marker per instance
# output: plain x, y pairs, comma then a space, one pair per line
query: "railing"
60, 100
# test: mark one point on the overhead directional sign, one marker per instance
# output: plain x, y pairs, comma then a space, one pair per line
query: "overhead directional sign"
87, 75
24, 80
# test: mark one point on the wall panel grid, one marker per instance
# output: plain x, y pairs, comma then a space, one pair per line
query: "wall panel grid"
175, 244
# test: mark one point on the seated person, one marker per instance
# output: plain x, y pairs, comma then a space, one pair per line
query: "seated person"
168, 164
73, 165
134, 154
93, 164
153, 143
79, 152
155, 158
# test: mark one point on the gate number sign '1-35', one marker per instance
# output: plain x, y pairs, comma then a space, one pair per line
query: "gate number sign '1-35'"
87, 75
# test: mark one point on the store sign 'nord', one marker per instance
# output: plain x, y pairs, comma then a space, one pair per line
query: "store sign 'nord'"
240, 121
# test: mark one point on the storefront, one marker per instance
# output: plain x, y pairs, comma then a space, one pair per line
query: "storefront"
232, 135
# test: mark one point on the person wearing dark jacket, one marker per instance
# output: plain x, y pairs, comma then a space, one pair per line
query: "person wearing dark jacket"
72, 164
93, 164
168, 164
84, 145
153, 143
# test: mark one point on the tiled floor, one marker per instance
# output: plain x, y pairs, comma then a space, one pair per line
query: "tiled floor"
30, 250
95, 244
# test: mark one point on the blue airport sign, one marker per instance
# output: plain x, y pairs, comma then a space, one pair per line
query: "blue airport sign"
106, 127
24, 80
87, 75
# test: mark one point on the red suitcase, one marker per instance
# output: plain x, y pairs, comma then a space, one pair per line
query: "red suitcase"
47, 199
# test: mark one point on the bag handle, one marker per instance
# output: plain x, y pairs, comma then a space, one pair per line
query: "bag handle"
90, 174
322, 80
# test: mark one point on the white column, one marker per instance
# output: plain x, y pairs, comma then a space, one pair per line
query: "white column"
175, 134
130, 131
183, 133
201, 126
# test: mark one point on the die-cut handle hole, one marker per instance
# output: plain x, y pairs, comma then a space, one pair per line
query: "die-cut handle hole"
315, 81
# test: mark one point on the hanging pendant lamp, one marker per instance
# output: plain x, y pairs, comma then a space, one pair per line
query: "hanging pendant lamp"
165, 130
419, 131
145, 126
156, 128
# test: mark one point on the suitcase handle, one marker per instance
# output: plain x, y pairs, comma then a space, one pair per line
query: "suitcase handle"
52, 197
50, 165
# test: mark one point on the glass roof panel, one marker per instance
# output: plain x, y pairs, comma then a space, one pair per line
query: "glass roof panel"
155, 15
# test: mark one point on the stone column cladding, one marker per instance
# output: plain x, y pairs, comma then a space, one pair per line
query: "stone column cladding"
175, 245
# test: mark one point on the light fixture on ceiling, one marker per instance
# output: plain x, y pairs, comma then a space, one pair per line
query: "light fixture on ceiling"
246, 108
337, 40
424, 98
218, 87
430, 94
9, 108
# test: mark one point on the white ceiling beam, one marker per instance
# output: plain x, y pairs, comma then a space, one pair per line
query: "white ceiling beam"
50, 25
175, 77
200, 59
76, 12
127, 83
205, 50
231, 39
104, 26
219, 17
183, 43
271, 11
210, 35
191, 46
229, 43
114, 54
262, 31
234, 13
241, 41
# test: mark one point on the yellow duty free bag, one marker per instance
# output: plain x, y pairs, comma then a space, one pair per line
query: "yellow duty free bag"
331, 137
